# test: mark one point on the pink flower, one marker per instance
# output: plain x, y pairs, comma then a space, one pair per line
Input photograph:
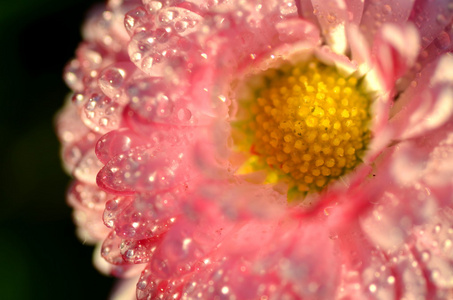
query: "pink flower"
228, 149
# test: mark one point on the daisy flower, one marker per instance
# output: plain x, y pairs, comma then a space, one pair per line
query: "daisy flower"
274, 149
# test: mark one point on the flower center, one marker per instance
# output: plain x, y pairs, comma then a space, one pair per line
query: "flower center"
305, 125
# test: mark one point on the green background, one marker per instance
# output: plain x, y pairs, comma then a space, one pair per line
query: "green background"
40, 257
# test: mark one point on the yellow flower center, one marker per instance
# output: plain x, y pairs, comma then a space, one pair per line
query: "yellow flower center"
305, 125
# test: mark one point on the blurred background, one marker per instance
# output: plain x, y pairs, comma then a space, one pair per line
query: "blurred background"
40, 256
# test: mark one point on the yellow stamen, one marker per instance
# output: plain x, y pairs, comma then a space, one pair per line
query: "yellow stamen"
308, 125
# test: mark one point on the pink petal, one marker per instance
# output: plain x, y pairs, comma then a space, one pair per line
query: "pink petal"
417, 175
426, 104
92, 57
431, 18
163, 48
111, 252
111, 249
87, 167
342, 62
146, 215
113, 79
254, 273
101, 114
242, 200
69, 126
306, 11
73, 75
73, 153
88, 201
355, 10
332, 17
298, 30
395, 50
106, 28
147, 169
88, 196
433, 247
139, 251
377, 13
360, 50
118, 142
158, 101
442, 44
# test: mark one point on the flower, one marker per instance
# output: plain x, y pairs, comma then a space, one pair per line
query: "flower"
265, 149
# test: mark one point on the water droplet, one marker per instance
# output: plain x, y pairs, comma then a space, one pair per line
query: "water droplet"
437, 228
105, 251
136, 57
130, 253
441, 19
287, 8
164, 105
425, 256
184, 114
73, 75
333, 237
111, 78
225, 290
90, 56
443, 41
435, 274
133, 19
127, 231
153, 6
104, 121
331, 18
167, 16
141, 285
447, 244
78, 99
181, 26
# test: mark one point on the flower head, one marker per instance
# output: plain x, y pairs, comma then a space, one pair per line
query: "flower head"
271, 149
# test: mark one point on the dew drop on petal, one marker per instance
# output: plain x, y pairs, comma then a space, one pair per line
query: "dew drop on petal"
184, 114
443, 41
387, 9
111, 79
426, 256
134, 19
73, 75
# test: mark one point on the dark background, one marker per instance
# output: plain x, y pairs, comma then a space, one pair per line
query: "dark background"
40, 256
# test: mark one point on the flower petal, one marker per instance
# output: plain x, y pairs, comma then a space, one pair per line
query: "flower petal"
427, 104
395, 50
118, 142
145, 215
88, 167
377, 13
431, 18
433, 246
145, 169
332, 16
69, 126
